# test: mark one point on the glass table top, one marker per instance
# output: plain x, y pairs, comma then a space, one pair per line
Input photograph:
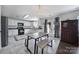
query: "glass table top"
36, 34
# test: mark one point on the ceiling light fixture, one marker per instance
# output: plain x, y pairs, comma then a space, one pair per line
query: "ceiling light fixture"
26, 16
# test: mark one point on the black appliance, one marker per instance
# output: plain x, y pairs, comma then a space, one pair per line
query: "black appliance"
20, 28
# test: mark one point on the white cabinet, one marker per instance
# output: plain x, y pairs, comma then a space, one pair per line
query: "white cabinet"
12, 23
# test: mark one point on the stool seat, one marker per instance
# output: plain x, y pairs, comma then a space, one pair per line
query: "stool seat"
43, 43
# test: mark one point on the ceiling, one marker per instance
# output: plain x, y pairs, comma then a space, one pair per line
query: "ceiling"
19, 11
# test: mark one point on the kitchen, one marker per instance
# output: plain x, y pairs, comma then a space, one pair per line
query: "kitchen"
20, 20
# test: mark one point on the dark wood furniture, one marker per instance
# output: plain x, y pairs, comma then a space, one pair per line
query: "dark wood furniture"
69, 31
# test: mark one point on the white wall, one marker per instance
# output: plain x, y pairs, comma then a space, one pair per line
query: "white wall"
70, 15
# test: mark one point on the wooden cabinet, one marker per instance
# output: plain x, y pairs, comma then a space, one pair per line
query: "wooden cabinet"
69, 31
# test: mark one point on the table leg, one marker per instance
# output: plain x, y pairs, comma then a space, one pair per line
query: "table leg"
42, 50
35, 47
27, 41
51, 43
28, 45
37, 50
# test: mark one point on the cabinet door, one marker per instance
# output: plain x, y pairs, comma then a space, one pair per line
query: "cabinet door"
69, 31
64, 31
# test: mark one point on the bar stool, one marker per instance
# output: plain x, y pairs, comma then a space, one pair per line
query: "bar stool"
42, 44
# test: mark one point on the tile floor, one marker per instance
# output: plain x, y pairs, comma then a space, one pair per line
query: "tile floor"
66, 48
17, 47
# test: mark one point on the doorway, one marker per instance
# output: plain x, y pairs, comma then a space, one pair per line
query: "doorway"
49, 27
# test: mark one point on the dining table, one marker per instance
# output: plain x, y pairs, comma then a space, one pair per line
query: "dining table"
36, 36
